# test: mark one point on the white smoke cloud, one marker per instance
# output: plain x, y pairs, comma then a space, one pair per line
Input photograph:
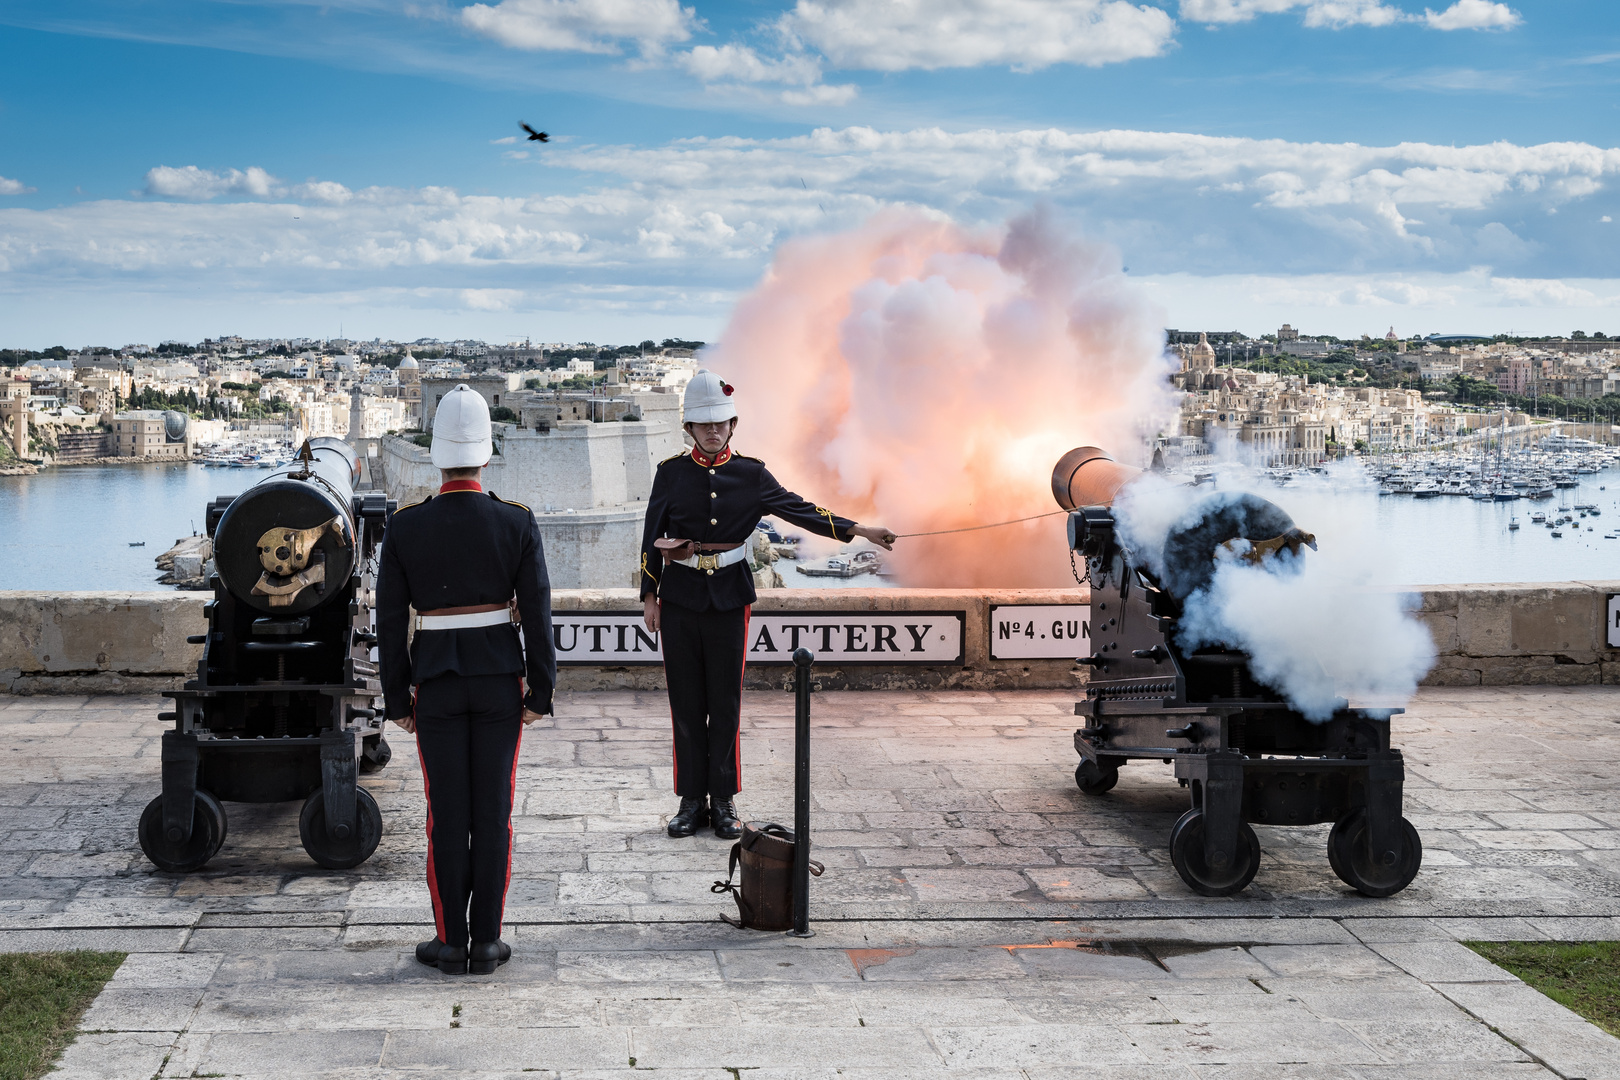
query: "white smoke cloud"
1318, 628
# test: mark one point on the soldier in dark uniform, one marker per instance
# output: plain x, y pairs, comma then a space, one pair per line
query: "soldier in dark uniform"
472, 566
696, 587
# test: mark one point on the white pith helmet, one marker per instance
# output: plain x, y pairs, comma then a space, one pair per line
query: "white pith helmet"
461, 432
708, 400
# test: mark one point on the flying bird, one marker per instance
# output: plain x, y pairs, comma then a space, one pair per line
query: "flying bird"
534, 136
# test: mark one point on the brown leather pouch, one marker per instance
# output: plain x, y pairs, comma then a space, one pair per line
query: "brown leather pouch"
675, 550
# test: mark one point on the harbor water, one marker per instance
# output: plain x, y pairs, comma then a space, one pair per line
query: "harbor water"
71, 528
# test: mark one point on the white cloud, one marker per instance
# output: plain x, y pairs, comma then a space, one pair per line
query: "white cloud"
1335, 14
592, 26
1473, 15
897, 35
1338, 14
13, 187
822, 94
190, 182
199, 185
1347, 227
739, 63
731, 66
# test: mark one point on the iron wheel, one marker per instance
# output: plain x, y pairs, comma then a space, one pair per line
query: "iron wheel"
183, 856
335, 854
1187, 853
1094, 779
1348, 855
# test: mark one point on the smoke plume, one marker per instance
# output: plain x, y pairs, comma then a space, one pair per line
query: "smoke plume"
926, 376
1317, 628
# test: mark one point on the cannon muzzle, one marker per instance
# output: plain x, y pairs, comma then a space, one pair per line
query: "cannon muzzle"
1087, 476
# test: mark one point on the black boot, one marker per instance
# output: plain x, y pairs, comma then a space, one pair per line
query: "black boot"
428, 952
724, 815
693, 815
452, 960
485, 956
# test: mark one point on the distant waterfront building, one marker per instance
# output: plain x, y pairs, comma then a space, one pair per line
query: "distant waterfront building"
149, 433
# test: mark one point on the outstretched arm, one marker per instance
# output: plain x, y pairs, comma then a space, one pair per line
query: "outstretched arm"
782, 503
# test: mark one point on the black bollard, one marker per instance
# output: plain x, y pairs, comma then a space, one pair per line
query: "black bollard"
802, 659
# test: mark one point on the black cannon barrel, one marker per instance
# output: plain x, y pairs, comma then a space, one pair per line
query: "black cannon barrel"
287, 544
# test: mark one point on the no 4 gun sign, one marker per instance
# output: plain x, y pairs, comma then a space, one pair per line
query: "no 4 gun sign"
1039, 631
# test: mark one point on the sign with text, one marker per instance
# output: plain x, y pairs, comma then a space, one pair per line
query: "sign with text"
836, 637
1039, 631
1614, 621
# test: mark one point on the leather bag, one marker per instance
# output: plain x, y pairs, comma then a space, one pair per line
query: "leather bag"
764, 894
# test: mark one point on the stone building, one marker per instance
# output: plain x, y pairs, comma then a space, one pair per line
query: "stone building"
149, 433
586, 480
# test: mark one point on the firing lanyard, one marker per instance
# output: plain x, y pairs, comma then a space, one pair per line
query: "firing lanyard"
976, 528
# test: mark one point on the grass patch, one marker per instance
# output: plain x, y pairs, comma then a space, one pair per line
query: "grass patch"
1582, 976
42, 996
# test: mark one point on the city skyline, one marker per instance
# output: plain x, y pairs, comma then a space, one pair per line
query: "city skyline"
292, 169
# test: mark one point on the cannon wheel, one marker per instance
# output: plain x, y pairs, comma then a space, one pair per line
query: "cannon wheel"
1187, 853
375, 754
340, 854
207, 835
1094, 779
1347, 853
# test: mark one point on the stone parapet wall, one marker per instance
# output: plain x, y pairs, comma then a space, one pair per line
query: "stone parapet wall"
1487, 635
1505, 635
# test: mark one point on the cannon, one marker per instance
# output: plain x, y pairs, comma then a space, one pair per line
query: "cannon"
1244, 752
284, 703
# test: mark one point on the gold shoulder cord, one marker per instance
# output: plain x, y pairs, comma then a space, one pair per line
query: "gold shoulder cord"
644, 569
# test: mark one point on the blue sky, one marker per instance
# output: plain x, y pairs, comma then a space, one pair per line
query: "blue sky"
181, 168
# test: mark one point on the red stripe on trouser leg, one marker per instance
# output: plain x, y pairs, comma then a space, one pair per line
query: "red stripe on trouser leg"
736, 742
674, 758
432, 878
511, 806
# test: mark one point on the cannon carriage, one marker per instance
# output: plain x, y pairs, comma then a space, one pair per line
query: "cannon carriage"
284, 703
1245, 753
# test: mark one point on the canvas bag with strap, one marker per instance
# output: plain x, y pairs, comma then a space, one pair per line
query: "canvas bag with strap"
764, 894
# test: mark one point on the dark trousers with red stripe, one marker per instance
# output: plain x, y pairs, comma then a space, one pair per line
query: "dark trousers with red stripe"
703, 667
467, 732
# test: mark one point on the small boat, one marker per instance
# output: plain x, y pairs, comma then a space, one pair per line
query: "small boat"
1538, 517
862, 562
1611, 536
1557, 534
1513, 525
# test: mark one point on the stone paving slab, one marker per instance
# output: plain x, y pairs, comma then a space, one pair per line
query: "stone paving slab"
980, 917
926, 806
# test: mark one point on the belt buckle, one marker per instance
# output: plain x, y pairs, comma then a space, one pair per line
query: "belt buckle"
708, 562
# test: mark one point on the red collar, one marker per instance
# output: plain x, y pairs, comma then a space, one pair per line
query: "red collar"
710, 462
460, 485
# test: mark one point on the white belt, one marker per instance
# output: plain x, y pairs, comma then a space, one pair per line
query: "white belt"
712, 562
464, 622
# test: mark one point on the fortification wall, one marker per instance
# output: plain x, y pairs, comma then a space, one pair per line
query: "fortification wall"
1487, 635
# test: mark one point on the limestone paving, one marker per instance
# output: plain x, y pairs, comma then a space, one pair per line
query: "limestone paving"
980, 917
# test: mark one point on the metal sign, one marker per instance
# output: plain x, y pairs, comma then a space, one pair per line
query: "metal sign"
613, 638
1039, 631
1614, 621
